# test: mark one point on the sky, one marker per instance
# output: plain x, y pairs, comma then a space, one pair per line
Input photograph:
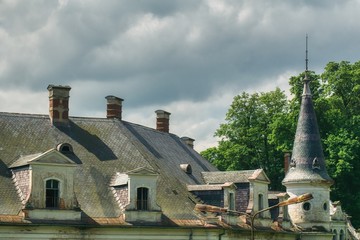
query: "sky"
187, 57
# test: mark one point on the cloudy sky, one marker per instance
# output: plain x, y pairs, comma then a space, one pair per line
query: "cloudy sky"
183, 56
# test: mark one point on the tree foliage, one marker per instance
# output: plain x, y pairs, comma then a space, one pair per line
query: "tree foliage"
260, 127
247, 137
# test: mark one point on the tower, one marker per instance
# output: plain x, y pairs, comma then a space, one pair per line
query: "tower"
307, 172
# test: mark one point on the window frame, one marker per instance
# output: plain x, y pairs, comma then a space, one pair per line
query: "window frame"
56, 200
142, 199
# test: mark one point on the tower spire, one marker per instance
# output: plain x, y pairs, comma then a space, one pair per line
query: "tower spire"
307, 160
307, 171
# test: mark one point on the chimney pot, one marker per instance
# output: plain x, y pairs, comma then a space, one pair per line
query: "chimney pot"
188, 141
114, 107
59, 104
162, 120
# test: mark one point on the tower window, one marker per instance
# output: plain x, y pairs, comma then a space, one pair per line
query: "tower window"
142, 199
306, 206
342, 235
325, 206
52, 193
335, 237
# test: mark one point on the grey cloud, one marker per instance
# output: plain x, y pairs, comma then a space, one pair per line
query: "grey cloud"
153, 52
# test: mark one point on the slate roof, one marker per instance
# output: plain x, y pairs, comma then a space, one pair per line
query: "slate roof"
102, 148
307, 161
210, 187
218, 177
229, 176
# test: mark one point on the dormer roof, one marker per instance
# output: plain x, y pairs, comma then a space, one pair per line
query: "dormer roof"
51, 156
218, 177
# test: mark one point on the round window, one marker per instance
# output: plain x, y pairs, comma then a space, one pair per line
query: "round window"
306, 206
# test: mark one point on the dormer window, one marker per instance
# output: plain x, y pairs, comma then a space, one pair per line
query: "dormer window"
135, 192
64, 148
52, 193
142, 199
54, 198
186, 168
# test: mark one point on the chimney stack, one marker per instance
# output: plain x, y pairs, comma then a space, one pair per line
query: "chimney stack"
162, 120
59, 104
287, 157
114, 107
188, 141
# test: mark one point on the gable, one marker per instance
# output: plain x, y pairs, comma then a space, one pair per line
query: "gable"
142, 171
259, 176
51, 156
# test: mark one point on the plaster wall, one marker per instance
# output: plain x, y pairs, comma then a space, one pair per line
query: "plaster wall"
139, 233
257, 188
147, 181
64, 174
318, 213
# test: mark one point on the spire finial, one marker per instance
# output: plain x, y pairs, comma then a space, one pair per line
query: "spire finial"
306, 91
306, 53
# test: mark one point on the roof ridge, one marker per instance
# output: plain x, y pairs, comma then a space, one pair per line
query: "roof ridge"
23, 114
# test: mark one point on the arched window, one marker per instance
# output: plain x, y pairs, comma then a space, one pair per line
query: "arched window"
64, 148
342, 235
52, 193
260, 204
142, 199
335, 235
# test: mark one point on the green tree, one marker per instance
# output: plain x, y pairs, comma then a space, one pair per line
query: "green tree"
339, 111
246, 137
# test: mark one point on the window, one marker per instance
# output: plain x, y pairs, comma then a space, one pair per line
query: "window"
52, 193
260, 204
64, 148
142, 199
335, 235
306, 206
325, 206
231, 201
342, 237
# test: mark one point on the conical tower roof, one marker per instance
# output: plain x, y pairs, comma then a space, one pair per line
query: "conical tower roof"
307, 161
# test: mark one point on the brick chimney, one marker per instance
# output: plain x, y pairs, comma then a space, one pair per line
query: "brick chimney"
114, 107
287, 157
162, 120
188, 141
59, 104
